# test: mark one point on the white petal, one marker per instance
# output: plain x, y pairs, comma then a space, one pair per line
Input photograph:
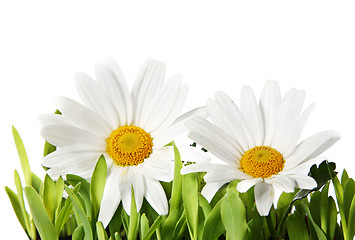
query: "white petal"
66, 135
210, 189
251, 112
312, 147
167, 106
217, 176
53, 119
165, 136
244, 185
81, 169
94, 96
147, 85
269, 105
289, 113
202, 126
231, 119
70, 155
125, 185
304, 182
283, 182
82, 116
226, 122
111, 198
298, 130
138, 186
193, 154
214, 147
264, 196
204, 167
160, 170
155, 195
118, 94
114, 67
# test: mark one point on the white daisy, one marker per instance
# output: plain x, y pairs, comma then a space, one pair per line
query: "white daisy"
258, 144
129, 129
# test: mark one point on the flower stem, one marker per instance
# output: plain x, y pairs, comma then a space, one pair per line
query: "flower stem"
271, 227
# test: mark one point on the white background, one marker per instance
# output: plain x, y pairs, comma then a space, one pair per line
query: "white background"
215, 45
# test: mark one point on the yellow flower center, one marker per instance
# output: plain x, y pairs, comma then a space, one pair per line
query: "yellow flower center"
129, 145
262, 161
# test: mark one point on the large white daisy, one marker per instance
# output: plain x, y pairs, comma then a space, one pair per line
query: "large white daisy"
258, 144
129, 129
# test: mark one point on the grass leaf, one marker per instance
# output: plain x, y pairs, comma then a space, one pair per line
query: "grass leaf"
190, 199
23, 157
233, 215
41, 220
80, 214
97, 186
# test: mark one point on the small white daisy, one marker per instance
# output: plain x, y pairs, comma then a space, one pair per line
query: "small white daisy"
129, 129
258, 144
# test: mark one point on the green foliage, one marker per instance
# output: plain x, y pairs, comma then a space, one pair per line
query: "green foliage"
303, 214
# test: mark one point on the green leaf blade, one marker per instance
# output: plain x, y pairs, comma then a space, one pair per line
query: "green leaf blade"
40, 217
233, 215
97, 185
80, 214
23, 157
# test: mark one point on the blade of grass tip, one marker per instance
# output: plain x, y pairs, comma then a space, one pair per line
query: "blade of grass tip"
133, 219
101, 233
190, 199
233, 215
97, 185
19, 190
17, 208
23, 157
153, 228
144, 226
40, 217
49, 197
213, 227
80, 213
177, 182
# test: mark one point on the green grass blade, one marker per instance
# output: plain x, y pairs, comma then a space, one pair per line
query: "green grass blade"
177, 183
349, 192
19, 190
17, 207
233, 215
49, 197
351, 222
319, 232
97, 186
23, 157
213, 227
63, 216
144, 226
36, 182
80, 214
190, 199
101, 233
133, 219
170, 224
84, 191
332, 217
41, 220
296, 227
78, 233
153, 228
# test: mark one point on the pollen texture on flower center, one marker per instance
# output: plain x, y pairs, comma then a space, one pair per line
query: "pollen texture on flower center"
262, 161
129, 145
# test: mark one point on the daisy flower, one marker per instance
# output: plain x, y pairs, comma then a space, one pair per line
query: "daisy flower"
258, 144
129, 129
